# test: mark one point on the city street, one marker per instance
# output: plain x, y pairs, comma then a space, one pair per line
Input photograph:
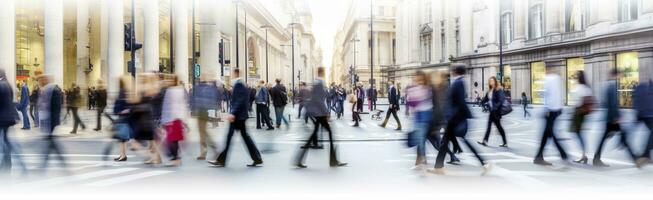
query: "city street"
379, 164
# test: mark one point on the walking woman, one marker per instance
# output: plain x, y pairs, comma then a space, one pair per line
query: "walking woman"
495, 99
123, 126
583, 101
174, 111
142, 116
355, 101
420, 100
439, 122
524, 103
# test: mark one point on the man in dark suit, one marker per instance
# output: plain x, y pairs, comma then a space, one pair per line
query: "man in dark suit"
457, 114
279, 101
642, 104
393, 99
8, 117
24, 102
50, 104
238, 114
612, 118
316, 107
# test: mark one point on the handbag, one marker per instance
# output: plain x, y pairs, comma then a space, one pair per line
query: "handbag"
412, 139
122, 131
174, 131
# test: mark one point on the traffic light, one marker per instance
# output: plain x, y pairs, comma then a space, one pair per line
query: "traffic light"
129, 37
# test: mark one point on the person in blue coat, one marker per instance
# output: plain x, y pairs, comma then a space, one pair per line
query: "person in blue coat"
238, 114
24, 102
8, 117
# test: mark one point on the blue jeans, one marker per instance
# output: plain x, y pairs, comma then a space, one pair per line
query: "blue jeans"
278, 113
25, 117
421, 124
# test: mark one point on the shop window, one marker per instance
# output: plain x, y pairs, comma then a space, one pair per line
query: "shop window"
628, 63
538, 73
573, 65
507, 79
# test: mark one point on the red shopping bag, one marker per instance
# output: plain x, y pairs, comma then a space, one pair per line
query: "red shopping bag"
174, 131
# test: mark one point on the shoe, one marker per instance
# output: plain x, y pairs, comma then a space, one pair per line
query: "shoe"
382, 125
24, 128
454, 162
582, 160
438, 171
255, 163
398, 129
355, 125
504, 145
641, 162
174, 163
120, 159
542, 162
201, 158
317, 147
217, 163
258, 128
270, 128
97, 129
484, 143
599, 163
486, 169
337, 164
73, 132
300, 166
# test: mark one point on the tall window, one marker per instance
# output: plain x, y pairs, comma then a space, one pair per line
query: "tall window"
628, 63
443, 47
535, 19
573, 66
628, 10
457, 36
425, 43
506, 21
575, 15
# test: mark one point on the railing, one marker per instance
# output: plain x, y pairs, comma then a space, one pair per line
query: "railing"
563, 37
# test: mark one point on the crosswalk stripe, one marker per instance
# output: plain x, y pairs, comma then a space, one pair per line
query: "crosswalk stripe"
78, 177
123, 179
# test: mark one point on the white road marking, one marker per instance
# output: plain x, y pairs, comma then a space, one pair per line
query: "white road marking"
78, 177
123, 179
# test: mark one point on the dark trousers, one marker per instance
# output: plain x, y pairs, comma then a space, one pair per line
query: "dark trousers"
526, 111
359, 104
550, 133
299, 113
449, 136
6, 148
100, 111
34, 112
392, 111
52, 146
263, 116
251, 147
78, 121
173, 150
324, 122
611, 127
649, 124
355, 112
435, 140
495, 118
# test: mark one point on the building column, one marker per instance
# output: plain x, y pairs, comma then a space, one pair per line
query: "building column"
647, 9
519, 19
8, 40
82, 43
115, 55
151, 41
466, 32
645, 64
180, 25
209, 40
54, 40
552, 16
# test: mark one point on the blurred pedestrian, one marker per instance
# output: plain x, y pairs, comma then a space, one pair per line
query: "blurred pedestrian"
495, 98
613, 119
50, 103
393, 107
457, 114
123, 126
91, 98
316, 107
419, 98
279, 101
33, 105
583, 102
552, 109
24, 102
173, 114
438, 123
143, 114
8, 118
360, 94
524, 103
100, 100
642, 99
341, 96
237, 116
262, 106
206, 98
75, 101
302, 98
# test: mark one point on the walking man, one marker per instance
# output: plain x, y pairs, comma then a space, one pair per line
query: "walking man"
74, 104
50, 103
237, 117
393, 99
206, 98
8, 117
262, 106
279, 101
553, 109
24, 102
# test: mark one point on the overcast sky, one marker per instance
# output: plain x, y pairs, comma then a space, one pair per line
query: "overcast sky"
328, 16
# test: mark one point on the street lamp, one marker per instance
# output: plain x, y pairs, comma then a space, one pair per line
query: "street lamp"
292, 36
353, 42
267, 66
371, 43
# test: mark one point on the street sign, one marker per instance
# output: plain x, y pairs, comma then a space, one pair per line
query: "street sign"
196, 71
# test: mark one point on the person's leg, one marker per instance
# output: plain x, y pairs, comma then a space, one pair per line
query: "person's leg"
6, 148
548, 127
201, 127
299, 110
222, 158
488, 129
249, 143
394, 114
448, 136
502, 132
624, 142
304, 148
387, 117
266, 117
649, 124
597, 154
79, 119
100, 110
174, 150
75, 120
473, 149
26, 124
283, 116
278, 114
259, 112
31, 114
